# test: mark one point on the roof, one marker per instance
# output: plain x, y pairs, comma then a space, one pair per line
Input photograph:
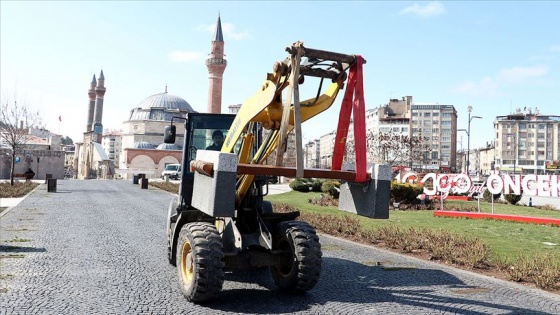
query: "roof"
142, 145
168, 146
161, 106
218, 35
99, 149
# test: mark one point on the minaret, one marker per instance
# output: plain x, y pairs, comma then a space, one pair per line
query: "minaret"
91, 108
99, 92
216, 65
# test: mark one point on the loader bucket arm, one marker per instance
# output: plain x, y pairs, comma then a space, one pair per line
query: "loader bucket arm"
266, 105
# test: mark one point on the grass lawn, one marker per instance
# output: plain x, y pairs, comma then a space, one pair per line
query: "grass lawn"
506, 239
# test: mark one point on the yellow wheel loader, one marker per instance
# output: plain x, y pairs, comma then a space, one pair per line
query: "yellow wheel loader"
219, 221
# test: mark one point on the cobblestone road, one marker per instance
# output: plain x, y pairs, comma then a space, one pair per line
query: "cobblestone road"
98, 247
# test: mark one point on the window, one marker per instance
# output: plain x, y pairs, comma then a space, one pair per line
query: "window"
427, 114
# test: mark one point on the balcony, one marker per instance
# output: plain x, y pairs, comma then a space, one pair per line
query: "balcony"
216, 61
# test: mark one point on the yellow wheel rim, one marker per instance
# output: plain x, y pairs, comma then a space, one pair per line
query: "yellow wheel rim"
187, 263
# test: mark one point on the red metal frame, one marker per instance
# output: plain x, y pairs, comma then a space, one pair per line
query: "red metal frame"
353, 101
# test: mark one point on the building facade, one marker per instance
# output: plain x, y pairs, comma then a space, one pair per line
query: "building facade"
527, 142
142, 147
432, 124
90, 160
312, 151
112, 144
436, 126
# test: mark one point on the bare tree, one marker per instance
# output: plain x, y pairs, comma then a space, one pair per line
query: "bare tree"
391, 148
15, 120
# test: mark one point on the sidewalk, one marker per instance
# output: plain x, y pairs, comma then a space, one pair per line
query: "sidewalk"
9, 203
277, 189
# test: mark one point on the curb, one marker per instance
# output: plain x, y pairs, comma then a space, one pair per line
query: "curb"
501, 217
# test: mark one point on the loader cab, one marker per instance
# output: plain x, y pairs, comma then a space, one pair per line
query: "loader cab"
199, 129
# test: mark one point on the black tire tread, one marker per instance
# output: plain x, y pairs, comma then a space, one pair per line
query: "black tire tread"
307, 250
208, 274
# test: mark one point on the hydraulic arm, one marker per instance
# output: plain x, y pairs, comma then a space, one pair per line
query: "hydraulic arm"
268, 107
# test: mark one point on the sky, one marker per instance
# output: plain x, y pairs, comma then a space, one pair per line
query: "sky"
494, 56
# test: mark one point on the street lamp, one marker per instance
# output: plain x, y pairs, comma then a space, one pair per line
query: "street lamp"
469, 109
463, 152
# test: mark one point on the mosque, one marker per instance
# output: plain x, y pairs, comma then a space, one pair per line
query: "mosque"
143, 150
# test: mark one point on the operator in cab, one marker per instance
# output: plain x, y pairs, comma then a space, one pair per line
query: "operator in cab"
218, 138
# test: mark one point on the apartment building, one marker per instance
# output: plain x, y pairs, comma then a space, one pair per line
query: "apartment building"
326, 148
527, 142
487, 159
436, 126
312, 152
111, 142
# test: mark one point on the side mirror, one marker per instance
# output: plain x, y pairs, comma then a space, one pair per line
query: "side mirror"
169, 134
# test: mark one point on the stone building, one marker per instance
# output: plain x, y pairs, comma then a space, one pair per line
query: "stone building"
90, 160
143, 150
41, 153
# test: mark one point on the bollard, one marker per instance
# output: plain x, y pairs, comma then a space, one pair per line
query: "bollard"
144, 183
51, 185
47, 177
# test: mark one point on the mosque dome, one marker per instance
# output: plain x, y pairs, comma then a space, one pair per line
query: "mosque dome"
168, 146
161, 107
142, 145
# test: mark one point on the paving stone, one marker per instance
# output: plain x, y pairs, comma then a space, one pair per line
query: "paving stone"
100, 248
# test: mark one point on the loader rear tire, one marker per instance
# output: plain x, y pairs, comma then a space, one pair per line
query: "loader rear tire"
200, 261
301, 269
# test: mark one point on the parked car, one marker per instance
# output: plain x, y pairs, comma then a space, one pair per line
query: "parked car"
172, 170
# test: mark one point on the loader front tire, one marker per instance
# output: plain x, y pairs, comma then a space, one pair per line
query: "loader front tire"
200, 261
301, 267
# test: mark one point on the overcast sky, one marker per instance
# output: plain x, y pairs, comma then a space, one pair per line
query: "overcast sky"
496, 56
